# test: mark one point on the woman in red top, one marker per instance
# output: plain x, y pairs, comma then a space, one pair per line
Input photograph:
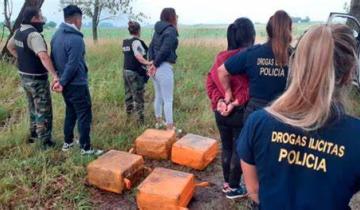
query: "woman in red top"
240, 35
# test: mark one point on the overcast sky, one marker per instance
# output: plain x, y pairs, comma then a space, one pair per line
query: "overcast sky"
214, 11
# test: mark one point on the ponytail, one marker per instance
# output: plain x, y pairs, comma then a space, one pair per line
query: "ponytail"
279, 32
240, 34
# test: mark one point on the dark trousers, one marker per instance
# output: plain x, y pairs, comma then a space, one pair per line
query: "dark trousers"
253, 105
78, 109
230, 128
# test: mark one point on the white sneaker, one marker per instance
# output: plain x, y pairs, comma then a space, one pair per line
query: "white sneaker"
91, 151
160, 125
66, 147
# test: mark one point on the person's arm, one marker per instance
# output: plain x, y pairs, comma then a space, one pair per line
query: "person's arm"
74, 50
245, 148
224, 78
251, 181
212, 91
233, 66
168, 44
139, 52
46, 61
11, 47
37, 44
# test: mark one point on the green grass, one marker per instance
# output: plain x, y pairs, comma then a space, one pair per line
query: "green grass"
33, 178
30, 177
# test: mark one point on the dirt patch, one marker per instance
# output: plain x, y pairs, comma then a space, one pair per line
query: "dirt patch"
205, 197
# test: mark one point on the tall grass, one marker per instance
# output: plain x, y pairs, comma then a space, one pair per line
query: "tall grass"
33, 178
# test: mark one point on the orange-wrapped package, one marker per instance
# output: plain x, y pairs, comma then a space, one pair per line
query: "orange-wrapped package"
115, 170
194, 151
155, 144
165, 189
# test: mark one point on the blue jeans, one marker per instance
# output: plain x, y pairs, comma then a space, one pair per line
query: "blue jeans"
78, 109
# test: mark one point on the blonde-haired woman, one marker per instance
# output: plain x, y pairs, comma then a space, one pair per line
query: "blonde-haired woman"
303, 151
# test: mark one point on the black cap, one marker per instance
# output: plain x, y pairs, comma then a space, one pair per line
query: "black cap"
29, 13
71, 11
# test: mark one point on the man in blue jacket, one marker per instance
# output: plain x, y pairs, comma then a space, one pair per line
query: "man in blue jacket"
68, 55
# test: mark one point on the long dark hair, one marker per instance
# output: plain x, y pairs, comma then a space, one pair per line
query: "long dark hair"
240, 34
279, 32
169, 15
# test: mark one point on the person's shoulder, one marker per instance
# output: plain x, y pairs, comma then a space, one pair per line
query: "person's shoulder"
254, 48
171, 30
259, 117
352, 122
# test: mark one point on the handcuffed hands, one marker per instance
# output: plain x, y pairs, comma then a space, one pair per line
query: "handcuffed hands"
56, 86
151, 70
224, 108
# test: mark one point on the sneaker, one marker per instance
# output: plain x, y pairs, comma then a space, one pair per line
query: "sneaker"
91, 151
237, 193
160, 125
66, 147
226, 188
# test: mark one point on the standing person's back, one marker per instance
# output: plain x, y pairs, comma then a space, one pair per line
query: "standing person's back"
135, 71
266, 65
164, 43
162, 52
302, 152
68, 54
29, 47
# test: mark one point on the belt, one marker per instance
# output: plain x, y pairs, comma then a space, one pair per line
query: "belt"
35, 77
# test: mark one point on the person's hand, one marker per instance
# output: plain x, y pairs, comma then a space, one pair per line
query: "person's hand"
228, 96
151, 71
221, 106
229, 108
149, 63
57, 87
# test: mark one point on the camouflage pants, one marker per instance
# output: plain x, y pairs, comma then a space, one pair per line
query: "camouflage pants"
40, 107
134, 93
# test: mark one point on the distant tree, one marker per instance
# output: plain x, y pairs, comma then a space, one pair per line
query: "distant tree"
306, 20
50, 24
7, 12
15, 25
94, 9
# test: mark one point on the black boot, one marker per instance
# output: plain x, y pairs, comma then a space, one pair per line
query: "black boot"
32, 138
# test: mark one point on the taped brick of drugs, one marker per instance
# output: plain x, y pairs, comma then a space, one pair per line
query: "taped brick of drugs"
155, 144
165, 189
194, 151
115, 170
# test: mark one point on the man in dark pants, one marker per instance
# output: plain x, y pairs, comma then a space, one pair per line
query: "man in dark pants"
68, 55
29, 47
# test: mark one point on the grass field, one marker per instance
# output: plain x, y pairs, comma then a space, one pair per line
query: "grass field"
33, 178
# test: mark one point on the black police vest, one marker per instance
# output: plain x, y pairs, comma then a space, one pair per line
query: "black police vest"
28, 61
130, 61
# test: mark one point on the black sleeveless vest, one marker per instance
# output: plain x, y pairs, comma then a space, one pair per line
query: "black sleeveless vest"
130, 61
28, 61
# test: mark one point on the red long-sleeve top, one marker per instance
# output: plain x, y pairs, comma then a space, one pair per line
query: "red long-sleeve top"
239, 83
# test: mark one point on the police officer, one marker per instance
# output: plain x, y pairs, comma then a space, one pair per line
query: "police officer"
34, 63
265, 65
302, 152
135, 75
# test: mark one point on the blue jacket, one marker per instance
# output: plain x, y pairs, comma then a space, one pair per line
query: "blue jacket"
68, 56
164, 44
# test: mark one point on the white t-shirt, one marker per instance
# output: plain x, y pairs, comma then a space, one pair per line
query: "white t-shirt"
137, 48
